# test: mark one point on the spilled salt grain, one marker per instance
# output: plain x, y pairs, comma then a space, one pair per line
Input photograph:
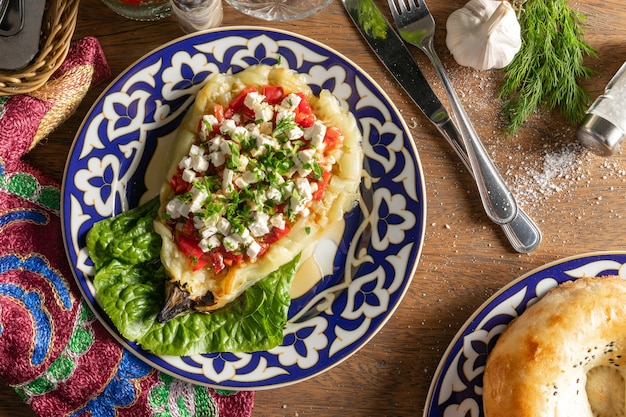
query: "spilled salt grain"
550, 171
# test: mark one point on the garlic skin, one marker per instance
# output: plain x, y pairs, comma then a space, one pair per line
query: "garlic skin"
484, 34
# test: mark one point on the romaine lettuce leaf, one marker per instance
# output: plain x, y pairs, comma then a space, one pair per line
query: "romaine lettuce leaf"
129, 284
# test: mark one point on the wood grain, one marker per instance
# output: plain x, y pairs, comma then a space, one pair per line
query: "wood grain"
465, 258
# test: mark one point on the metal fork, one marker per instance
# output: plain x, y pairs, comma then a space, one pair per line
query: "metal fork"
416, 26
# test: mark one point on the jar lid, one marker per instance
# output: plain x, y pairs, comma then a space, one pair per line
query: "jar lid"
599, 135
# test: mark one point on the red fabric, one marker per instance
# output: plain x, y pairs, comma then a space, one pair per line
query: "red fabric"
53, 351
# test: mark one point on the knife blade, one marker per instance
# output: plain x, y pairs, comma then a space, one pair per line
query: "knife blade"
522, 232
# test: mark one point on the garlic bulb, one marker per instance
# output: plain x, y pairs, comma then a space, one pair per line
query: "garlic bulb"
484, 34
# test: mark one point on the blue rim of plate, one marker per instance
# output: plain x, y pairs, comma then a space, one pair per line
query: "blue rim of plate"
110, 168
457, 385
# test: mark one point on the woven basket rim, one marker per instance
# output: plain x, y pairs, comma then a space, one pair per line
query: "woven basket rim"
57, 29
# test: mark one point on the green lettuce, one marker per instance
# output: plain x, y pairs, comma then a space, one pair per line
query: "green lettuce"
130, 287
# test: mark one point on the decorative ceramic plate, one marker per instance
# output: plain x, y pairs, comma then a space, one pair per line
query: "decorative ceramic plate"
456, 390
117, 160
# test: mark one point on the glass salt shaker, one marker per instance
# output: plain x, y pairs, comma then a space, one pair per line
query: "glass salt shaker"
195, 15
604, 126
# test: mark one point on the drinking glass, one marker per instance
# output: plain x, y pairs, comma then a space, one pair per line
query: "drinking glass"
279, 10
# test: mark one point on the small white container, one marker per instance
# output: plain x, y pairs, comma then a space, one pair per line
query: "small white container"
604, 126
195, 15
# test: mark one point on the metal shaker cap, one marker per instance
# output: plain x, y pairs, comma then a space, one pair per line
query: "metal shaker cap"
599, 135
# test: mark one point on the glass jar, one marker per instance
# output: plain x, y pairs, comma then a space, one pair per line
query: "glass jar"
604, 126
279, 10
195, 15
140, 9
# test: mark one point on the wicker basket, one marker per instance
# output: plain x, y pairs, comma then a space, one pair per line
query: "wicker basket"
57, 29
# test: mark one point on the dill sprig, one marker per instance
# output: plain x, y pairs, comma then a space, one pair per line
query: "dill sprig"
549, 64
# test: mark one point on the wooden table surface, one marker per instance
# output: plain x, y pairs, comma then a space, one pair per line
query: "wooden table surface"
578, 199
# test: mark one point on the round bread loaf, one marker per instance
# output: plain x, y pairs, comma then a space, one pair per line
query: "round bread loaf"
564, 356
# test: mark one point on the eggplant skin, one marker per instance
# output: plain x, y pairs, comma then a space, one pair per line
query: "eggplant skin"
178, 301
204, 291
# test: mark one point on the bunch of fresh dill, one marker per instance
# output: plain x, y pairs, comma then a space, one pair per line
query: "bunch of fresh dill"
549, 65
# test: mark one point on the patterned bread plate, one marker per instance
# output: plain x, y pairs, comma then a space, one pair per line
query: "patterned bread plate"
456, 390
116, 163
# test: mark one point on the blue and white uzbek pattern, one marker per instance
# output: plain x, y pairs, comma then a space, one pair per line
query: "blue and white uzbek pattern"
121, 149
457, 387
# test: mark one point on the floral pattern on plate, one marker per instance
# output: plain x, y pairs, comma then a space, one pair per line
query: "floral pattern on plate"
456, 390
121, 147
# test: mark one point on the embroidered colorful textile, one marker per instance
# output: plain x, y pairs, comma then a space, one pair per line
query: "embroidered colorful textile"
53, 351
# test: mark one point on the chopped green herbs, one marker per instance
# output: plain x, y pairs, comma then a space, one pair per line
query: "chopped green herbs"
549, 64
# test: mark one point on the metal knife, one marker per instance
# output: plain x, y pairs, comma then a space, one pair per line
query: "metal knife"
522, 232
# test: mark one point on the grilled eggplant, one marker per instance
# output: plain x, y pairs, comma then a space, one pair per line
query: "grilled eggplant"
260, 167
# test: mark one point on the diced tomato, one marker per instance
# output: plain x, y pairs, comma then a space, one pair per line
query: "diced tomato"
236, 104
199, 263
179, 185
304, 112
217, 260
321, 186
218, 111
275, 234
273, 94
333, 138
189, 229
190, 248
231, 258
264, 248
305, 119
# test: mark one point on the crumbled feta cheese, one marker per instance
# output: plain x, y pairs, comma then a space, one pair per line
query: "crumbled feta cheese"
185, 163
315, 134
251, 177
227, 180
230, 243
218, 158
228, 126
289, 128
253, 99
263, 141
197, 199
304, 188
239, 134
216, 143
208, 122
199, 163
253, 250
306, 155
278, 221
274, 195
294, 133
225, 148
223, 226
243, 163
189, 175
208, 231
263, 113
172, 208
241, 183
195, 150
291, 102
209, 243
243, 238
259, 227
